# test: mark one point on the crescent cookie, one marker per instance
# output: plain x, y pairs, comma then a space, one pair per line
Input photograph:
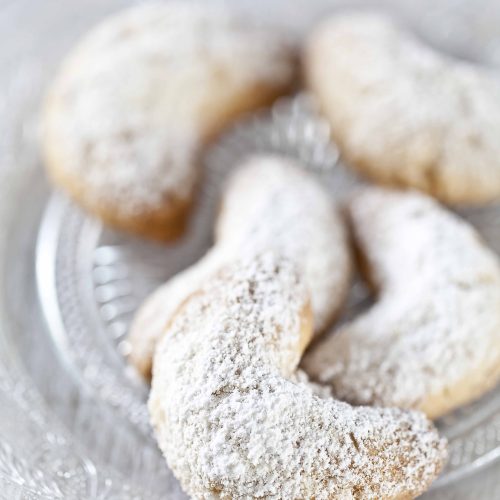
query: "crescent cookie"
232, 426
269, 202
404, 114
432, 339
138, 98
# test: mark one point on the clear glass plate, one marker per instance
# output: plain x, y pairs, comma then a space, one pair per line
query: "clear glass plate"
73, 421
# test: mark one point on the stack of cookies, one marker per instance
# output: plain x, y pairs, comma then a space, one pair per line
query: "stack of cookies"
126, 124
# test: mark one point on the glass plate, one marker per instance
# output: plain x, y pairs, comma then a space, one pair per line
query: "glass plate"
73, 421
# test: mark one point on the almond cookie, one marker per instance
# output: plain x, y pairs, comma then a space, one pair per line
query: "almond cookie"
233, 426
269, 202
138, 98
404, 114
432, 339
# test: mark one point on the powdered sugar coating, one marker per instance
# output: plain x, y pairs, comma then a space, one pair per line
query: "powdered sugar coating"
273, 201
269, 202
142, 93
232, 426
432, 340
153, 315
405, 114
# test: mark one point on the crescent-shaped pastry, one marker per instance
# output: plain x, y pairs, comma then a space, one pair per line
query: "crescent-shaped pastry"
140, 96
269, 202
403, 113
432, 339
233, 426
